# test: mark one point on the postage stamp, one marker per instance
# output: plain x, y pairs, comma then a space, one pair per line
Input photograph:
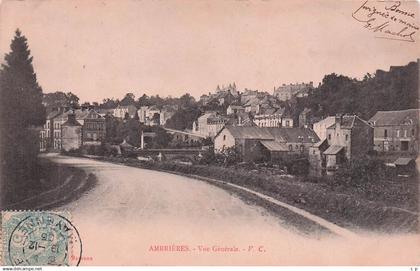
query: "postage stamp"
39, 238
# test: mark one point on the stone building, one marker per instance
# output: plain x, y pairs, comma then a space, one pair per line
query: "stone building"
94, 129
269, 143
120, 111
269, 118
47, 132
71, 136
350, 137
286, 92
396, 131
321, 126
209, 124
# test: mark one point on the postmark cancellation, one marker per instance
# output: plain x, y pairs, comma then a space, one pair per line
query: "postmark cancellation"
39, 238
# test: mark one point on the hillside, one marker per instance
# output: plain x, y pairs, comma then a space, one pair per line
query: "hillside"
395, 89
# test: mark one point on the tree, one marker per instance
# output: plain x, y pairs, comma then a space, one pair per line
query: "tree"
144, 101
21, 109
19, 86
183, 118
72, 99
129, 99
108, 103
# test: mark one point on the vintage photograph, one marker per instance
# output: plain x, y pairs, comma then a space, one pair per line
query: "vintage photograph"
209, 133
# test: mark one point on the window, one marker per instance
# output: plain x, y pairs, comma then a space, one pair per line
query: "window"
385, 133
405, 133
329, 136
398, 133
347, 137
404, 145
290, 148
287, 123
224, 137
412, 132
302, 148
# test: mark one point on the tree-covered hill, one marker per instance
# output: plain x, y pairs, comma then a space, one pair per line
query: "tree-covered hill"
396, 89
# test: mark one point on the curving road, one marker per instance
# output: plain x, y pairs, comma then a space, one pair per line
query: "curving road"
131, 211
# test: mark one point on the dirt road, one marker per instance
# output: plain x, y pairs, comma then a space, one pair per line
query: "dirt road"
134, 216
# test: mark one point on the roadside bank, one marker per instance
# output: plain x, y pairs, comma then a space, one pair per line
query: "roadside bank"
53, 186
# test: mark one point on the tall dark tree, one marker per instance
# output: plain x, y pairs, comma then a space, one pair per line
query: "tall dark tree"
21, 110
21, 93
129, 99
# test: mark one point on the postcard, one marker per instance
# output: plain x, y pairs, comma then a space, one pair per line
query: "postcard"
209, 133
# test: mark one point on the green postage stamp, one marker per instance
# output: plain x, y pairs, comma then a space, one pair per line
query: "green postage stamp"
38, 238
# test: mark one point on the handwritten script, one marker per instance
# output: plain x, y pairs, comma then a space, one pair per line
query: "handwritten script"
388, 20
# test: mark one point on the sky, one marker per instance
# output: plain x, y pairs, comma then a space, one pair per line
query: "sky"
100, 49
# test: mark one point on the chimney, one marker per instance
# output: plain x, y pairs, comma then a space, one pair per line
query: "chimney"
338, 120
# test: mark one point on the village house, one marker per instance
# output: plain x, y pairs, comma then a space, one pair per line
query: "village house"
305, 118
153, 116
204, 99
350, 137
185, 136
209, 124
286, 92
321, 126
256, 143
396, 131
94, 129
120, 111
247, 95
71, 133
234, 109
47, 133
165, 114
287, 121
271, 117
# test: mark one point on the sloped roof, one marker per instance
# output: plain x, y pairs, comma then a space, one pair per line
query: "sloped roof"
385, 118
319, 143
207, 115
334, 149
403, 161
53, 114
80, 114
303, 135
274, 146
249, 132
349, 121
71, 122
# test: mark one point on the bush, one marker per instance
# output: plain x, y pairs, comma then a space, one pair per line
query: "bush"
363, 170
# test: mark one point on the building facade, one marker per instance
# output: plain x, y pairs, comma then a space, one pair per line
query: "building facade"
94, 129
120, 111
286, 92
71, 133
269, 143
350, 137
210, 123
396, 131
321, 126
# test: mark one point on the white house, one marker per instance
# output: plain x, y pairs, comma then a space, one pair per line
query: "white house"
321, 126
